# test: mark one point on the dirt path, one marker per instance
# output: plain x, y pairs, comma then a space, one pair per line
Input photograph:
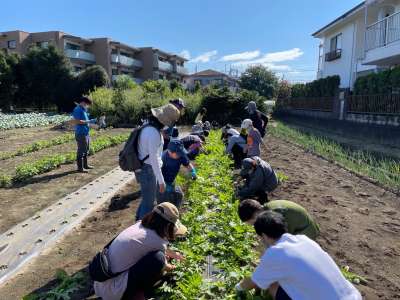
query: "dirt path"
360, 222
76, 249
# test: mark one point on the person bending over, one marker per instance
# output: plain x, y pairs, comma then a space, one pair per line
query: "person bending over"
193, 145
169, 133
236, 146
173, 158
254, 139
140, 254
294, 266
260, 179
298, 220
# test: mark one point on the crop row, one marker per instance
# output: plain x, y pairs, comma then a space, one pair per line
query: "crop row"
216, 234
10, 121
50, 162
39, 145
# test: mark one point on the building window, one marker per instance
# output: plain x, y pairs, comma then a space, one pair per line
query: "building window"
12, 44
335, 48
69, 46
42, 44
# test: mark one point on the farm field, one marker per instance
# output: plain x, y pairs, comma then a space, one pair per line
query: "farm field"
359, 221
42, 190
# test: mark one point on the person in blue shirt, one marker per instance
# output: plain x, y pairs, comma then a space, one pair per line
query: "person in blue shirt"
173, 158
82, 129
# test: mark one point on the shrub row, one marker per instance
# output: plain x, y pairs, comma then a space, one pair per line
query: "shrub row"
384, 82
48, 163
324, 87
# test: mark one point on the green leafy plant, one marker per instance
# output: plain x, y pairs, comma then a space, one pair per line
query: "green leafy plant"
48, 163
67, 285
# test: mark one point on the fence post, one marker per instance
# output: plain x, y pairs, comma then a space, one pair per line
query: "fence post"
341, 99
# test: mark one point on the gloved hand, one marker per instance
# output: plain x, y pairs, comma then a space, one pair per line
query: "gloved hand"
194, 174
169, 188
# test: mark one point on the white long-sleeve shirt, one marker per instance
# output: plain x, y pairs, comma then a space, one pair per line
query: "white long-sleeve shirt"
151, 143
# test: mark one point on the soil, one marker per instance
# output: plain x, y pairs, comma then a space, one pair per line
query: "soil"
359, 222
24, 200
360, 225
76, 249
11, 140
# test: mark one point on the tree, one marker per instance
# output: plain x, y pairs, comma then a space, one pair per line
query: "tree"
8, 78
91, 78
44, 79
284, 90
260, 79
124, 82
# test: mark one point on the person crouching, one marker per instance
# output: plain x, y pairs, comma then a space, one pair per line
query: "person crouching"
139, 255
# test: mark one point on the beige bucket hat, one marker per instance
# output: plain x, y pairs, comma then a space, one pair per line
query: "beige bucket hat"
169, 212
167, 114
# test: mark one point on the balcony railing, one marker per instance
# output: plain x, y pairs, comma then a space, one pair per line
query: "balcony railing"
126, 61
333, 55
79, 54
182, 70
165, 66
383, 32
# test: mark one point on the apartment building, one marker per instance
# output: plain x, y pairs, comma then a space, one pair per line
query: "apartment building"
363, 40
210, 77
117, 58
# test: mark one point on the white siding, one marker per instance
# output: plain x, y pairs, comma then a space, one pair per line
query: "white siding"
343, 65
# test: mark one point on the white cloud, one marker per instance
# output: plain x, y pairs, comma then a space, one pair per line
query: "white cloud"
185, 54
271, 59
241, 56
205, 57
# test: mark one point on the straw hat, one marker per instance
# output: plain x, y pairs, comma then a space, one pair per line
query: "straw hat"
169, 212
168, 114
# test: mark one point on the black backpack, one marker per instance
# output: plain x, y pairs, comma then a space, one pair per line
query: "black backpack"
129, 156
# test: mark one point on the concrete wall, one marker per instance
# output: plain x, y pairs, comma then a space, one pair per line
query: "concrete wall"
383, 120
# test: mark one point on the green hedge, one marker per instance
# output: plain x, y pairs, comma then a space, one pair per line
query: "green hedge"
324, 87
378, 83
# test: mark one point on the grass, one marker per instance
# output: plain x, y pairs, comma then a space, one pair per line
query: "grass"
384, 171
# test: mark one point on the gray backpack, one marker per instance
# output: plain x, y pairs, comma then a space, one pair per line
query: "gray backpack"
129, 156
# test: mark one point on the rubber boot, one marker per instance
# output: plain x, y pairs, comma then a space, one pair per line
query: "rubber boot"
79, 164
85, 164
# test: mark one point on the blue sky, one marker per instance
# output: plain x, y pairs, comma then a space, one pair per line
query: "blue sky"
217, 34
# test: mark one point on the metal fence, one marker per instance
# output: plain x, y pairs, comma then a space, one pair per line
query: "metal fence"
374, 104
317, 103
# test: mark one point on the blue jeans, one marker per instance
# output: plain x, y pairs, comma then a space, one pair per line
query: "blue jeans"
148, 187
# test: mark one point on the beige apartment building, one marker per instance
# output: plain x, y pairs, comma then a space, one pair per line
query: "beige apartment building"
117, 58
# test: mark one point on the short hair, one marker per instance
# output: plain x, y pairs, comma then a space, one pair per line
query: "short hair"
85, 100
247, 209
270, 223
161, 226
206, 133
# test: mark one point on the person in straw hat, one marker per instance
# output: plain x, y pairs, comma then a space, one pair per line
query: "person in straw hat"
150, 148
140, 255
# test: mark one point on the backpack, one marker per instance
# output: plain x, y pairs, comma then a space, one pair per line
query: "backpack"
129, 156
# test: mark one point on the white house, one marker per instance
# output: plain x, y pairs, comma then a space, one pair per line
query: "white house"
365, 39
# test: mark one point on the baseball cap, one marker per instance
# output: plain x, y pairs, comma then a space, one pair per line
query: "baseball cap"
169, 212
247, 165
177, 147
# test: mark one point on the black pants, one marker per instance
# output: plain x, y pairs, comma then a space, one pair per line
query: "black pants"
144, 274
83, 142
238, 155
261, 196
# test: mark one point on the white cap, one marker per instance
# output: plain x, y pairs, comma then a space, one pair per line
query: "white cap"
246, 124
